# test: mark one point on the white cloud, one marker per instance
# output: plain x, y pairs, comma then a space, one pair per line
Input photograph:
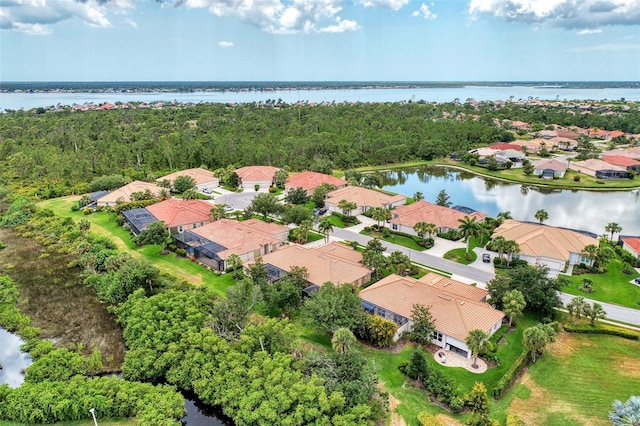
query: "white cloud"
37, 16
341, 26
225, 44
385, 4
571, 14
588, 31
425, 12
131, 22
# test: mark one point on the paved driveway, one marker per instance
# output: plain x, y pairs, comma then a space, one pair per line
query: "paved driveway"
237, 200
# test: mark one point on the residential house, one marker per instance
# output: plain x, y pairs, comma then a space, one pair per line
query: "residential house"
503, 146
456, 308
123, 194
311, 180
404, 218
263, 176
533, 145
633, 152
204, 179
565, 144
546, 245
214, 242
516, 157
334, 262
619, 160
566, 133
550, 168
632, 245
600, 169
365, 199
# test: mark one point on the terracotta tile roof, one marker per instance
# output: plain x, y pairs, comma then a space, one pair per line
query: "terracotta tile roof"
453, 314
199, 175
543, 241
310, 180
620, 160
595, 164
626, 152
423, 211
503, 146
323, 265
175, 212
633, 242
257, 173
362, 197
242, 237
124, 193
555, 165
454, 287
566, 133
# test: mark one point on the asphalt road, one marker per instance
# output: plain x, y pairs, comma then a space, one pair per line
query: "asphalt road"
614, 312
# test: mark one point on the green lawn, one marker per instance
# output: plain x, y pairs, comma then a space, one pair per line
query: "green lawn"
401, 240
335, 221
459, 255
611, 287
578, 379
181, 268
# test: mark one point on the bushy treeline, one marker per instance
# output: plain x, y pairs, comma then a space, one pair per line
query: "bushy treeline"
64, 401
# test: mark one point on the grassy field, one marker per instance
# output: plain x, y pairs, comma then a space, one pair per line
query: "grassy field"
459, 255
611, 287
401, 240
181, 268
577, 380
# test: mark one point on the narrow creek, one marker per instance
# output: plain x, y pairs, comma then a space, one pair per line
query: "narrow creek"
53, 296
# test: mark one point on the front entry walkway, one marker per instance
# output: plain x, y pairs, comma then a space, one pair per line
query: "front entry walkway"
452, 359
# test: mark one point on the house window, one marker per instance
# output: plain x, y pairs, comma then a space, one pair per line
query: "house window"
201, 223
394, 226
195, 225
179, 228
437, 336
515, 256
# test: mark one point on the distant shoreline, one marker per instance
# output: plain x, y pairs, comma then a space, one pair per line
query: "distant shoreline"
260, 86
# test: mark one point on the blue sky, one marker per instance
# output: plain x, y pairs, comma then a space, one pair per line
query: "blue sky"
319, 40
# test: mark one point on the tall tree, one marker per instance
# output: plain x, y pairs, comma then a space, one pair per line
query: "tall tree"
476, 341
296, 196
513, 304
155, 233
380, 214
541, 215
343, 341
333, 307
418, 196
469, 228
347, 206
423, 325
218, 212
576, 307
536, 338
594, 312
325, 227
183, 183
443, 199
613, 228
590, 251
541, 292
265, 204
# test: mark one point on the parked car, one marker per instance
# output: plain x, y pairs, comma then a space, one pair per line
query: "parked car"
637, 280
486, 258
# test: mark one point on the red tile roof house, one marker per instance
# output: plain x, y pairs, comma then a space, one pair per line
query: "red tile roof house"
619, 160
503, 146
334, 262
178, 215
405, 217
456, 308
203, 178
600, 169
311, 180
213, 243
632, 245
364, 198
633, 152
263, 176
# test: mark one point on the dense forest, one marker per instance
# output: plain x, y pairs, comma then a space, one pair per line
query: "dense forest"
57, 153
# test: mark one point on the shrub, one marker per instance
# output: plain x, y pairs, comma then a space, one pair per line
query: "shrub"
171, 247
120, 220
181, 252
451, 234
601, 329
75, 207
509, 375
426, 419
272, 189
256, 187
576, 178
379, 331
386, 233
513, 420
87, 212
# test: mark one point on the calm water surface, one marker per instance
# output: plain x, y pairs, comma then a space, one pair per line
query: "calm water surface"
12, 360
586, 210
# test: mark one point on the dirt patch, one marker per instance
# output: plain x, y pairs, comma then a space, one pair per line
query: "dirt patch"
564, 345
535, 409
447, 421
626, 366
396, 419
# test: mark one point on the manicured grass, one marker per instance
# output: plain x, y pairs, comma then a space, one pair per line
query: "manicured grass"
459, 255
578, 378
611, 287
401, 240
335, 221
181, 268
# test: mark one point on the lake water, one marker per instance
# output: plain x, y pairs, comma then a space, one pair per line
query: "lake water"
585, 210
12, 360
16, 101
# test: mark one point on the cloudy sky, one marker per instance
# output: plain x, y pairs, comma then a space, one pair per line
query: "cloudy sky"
319, 40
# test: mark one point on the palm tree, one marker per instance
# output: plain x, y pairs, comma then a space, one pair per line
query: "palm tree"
511, 247
380, 214
469, 228
612, 227
626, 413
513, 304
499, 244
590, 252
536, 338
234, 262
576, 307
421, 229
190, 194
306, 226
502, 216
343, 341
594, 312
347, 206
217, 212
418, 196
432, 229
541, 215
326, 227
476, 341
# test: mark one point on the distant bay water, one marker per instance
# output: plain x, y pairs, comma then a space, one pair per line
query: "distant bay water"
27, 100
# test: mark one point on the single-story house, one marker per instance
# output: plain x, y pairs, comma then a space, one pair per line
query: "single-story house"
138, 219
549, 169
619, 160
178, 215
567, 133
94, 197
123, 194
365, 199
533, 145
456, 308
633, 152
503, 146
565, 144
546, 245
311, 180
632, 245
212, 243
600, 169
263, 176
334, 262
203, 178
404, 218
515, 156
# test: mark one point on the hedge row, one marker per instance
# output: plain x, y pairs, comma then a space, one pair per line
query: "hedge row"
602, 329
509, 375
